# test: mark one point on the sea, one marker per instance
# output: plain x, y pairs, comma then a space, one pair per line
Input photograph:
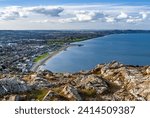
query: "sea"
130, 49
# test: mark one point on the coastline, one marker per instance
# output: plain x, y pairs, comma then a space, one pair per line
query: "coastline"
36, 65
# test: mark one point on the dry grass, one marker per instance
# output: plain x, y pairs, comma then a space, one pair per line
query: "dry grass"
37, 94
87, 92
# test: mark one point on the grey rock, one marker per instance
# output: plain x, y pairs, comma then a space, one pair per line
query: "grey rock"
9, 86
71, 92
94, 82
38, 83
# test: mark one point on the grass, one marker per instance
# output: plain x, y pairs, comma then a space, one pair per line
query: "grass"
57, 89
88, 92
52, 42
77, 39
38, 94
41, 57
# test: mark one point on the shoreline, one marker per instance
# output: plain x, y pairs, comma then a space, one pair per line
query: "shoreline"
36, 65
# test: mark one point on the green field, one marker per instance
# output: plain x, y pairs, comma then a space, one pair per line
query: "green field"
41, 57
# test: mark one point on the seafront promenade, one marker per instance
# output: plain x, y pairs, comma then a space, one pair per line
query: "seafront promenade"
36, 65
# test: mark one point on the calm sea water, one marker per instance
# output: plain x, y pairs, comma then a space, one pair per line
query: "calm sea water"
126, 48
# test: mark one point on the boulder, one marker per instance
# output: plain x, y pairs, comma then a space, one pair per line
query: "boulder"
71, 93
148, 70
44, 73
94, 82
51, 95
38, 83
9, 86
115, 64
144, 89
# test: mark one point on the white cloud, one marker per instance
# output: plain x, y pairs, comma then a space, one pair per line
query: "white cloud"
15, 12
84, 16
122, 16
139, 18
47, 11
144, 15
40, 21
70, 15
110, 19
134, 20
12, 13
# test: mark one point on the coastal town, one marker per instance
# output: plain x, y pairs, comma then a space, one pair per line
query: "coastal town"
23, 52
20, 51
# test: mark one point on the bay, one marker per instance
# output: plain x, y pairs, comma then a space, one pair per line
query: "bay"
132, 49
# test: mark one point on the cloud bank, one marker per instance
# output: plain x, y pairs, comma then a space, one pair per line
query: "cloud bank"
65, 14
15, 12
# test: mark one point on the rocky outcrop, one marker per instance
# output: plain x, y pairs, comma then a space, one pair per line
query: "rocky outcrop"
38, 83
111, 81
14, 98
133, 80
10, 86
71, 93
93, 82
148, 70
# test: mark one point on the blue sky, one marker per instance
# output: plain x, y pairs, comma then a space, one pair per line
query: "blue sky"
54, 2
74, 14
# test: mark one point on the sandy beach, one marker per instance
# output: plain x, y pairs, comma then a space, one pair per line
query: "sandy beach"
36, 66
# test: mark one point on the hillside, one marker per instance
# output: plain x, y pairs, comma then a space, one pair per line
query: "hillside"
112, 81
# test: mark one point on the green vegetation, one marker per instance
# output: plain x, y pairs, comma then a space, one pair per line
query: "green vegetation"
41, 57
38, 94
65, 40
57, 89
88, 92
77, 39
